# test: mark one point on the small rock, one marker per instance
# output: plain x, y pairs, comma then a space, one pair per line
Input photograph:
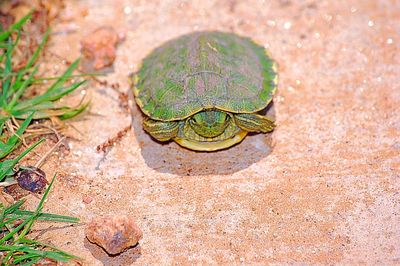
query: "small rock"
87, 199
32, 179
114, 233
99, 47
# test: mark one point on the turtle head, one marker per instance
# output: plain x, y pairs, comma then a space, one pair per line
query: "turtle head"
209, 123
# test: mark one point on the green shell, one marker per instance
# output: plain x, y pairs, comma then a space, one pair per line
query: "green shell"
205, 70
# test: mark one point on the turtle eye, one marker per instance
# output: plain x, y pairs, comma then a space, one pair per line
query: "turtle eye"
193, 120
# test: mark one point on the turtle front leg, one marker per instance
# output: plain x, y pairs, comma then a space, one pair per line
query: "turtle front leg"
160, 130
254, 123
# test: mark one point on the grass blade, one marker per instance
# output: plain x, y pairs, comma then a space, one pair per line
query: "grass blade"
15, 230
37, 212
38, 50
48, 216
6, 148
9, 210
7, 71
32, 60
10, 220
49, 95
16, 26
34, 242
12, 208
21, 89
74, 112
39, 80
66, 75
7, 166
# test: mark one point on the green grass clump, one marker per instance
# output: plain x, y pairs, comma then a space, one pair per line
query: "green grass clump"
17, 111
15, 224
15, 82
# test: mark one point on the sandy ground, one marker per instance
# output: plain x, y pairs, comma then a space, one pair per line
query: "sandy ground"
323, 189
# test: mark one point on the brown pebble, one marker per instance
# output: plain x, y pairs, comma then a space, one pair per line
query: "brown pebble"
87, 199
114, 233
99, 47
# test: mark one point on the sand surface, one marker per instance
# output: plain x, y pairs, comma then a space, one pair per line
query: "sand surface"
322, 189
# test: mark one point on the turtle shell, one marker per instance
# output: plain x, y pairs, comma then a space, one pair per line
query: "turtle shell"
205, 70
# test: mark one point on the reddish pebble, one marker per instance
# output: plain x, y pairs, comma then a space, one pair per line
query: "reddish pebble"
87, 199
114, 233
99, 47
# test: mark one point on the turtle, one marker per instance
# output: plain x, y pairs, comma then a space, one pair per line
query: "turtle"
205, 90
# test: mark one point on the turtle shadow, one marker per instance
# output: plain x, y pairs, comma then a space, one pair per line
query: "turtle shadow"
174, 159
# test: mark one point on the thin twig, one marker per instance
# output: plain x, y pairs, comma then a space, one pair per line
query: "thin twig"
41, 130
17, 125
11, 129
74, 127
40, 162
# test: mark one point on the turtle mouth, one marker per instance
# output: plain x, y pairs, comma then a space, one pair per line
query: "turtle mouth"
211, 145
